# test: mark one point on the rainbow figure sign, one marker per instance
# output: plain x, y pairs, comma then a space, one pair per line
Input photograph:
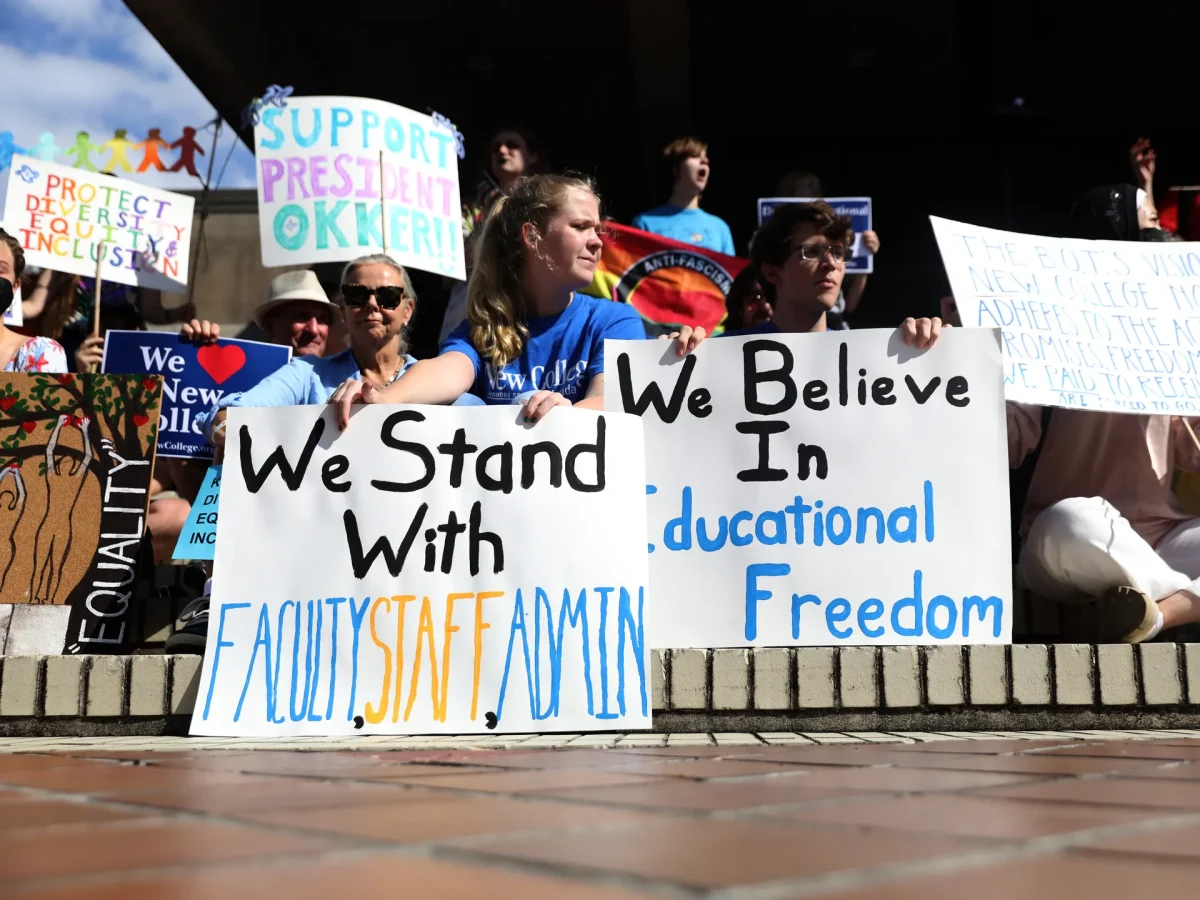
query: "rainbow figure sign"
339, 177
461, 572
67, 219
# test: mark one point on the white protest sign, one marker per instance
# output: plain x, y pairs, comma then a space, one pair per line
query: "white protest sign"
835, 488
62, 216
429, 570
319, 197
1103, 325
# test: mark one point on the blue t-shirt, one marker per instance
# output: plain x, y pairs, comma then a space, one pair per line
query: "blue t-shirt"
688, 226
564, 352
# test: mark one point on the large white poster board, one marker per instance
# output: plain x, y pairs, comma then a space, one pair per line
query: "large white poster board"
65, 218
429, 570
1103, 325
835, 488
319, 192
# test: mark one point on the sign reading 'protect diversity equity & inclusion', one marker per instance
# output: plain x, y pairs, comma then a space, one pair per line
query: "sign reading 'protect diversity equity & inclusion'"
67, 218
320, 196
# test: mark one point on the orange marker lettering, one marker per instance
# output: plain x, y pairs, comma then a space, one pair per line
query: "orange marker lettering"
480, 625
424, 627
401, 602
375, 717
449, 629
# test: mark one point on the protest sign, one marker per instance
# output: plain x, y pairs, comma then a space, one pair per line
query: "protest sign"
198, 539
67, 218
76, 456
668, 282
319, 191
857, 208
1102, 325
195, 378
834, 488
429, 570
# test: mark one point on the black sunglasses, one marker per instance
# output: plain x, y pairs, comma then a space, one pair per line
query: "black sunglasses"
388, 297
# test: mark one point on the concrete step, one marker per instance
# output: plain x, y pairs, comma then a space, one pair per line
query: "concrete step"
775, 689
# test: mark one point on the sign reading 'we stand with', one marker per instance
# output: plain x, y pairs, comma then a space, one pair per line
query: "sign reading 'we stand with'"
428, 570
195, 378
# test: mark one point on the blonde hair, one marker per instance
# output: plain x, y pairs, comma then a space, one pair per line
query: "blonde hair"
496, 306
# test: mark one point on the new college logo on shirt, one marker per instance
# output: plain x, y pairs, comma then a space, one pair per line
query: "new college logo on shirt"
667, 282
560, 376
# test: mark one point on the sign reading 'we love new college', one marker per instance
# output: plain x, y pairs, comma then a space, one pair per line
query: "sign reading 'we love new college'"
195, 378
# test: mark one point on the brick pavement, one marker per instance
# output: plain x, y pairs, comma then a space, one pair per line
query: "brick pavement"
868, 815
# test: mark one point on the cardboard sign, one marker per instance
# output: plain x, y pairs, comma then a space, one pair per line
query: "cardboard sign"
835, 488
319, 197
198, 539
1112, 326
428, 570
195, 378
62, 215
76, 456
857, 208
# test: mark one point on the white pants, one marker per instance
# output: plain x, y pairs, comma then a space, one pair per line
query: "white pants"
1080, 547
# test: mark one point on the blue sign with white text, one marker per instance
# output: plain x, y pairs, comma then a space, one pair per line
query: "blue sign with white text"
198, 539
857, 208
195, 378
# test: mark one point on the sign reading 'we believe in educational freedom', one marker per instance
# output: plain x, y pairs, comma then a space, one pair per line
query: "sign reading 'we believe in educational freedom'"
429, 570
62, 215
319, 197
1104, 325
835, 488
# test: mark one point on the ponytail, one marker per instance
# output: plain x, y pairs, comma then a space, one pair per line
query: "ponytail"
496, 307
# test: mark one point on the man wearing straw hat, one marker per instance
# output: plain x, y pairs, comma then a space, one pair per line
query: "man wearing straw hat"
296, 313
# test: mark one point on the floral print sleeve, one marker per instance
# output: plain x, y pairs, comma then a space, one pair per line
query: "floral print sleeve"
39, 354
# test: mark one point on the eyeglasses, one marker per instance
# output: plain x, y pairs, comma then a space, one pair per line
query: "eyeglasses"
388, 297
837, 252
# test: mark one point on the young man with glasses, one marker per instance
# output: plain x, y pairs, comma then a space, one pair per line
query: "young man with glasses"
799, 256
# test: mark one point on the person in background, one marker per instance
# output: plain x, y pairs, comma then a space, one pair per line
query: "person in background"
513, 152
18, 352
799, 259
1143, 161
746, 305
48, 301
297, 313
681, 218
1103, 533
799, 183
529, 337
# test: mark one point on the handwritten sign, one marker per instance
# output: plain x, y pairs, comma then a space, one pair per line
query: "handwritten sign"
198, 539
1103, 325
429, 570
62, 215
319, 192
194, 378
823, 489
857, 208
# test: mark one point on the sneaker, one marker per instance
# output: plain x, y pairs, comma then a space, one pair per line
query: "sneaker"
191, 628
1122, 615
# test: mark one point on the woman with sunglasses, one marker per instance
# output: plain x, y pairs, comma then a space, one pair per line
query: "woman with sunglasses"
377, 301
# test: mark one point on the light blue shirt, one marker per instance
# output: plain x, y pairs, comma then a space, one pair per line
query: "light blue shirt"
688, 226
299, 383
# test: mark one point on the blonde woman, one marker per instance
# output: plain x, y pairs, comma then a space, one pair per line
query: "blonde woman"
529, 337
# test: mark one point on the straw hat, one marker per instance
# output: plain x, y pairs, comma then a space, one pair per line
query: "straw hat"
301, 284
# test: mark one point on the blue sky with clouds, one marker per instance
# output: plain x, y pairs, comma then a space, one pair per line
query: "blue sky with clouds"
90, 65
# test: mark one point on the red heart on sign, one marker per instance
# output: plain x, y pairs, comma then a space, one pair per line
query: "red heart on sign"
139, 420
221, 363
